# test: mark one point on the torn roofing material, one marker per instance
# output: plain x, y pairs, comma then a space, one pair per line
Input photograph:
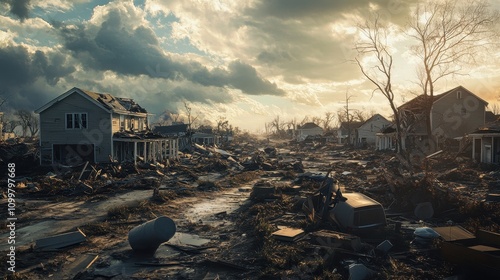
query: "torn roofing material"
106, 101
115, 103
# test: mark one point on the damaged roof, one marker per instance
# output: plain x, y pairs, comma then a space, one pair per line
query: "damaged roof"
115, 103
106, 101
417, 104
492, 127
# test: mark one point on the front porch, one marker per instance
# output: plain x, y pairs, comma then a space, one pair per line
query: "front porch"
151, 150
486, 147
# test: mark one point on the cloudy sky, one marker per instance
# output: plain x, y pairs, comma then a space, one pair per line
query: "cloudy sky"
248, 61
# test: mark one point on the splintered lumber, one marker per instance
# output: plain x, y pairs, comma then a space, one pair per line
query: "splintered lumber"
61, 240
81, 264
336, 239
288, 234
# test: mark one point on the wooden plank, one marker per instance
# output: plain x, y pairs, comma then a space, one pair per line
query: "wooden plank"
453, 233
61, 240
288, 234
484, 248
81, 264
83, 170
336, 239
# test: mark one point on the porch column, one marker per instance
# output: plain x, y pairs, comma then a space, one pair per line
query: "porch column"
154, 150
145, 150
169, 148
161, 149
473, 147
135, 153
492, 159
176, 144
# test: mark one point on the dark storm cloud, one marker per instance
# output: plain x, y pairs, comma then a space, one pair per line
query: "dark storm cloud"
245, 77
136, 51
19, 8
19, 67
20, 71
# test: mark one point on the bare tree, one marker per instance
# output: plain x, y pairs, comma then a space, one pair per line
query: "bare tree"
190, 118
292, 126
380, 74
9, 123
327, 121
347, 117
305, 120
28, 121
278, 126
495, 108
449, 34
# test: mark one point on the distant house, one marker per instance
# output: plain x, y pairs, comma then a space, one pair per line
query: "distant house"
81, 125
177, 130
454, 114
386, 138
308, 129
346, 133
486, 143
366, 132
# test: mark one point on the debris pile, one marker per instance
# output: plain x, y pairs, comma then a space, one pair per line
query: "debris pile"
258, 209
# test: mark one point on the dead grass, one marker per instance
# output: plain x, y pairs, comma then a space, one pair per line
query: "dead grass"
97, 229
124, 212
244, 177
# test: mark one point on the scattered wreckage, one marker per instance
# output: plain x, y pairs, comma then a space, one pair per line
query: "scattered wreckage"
369, 218
351, 212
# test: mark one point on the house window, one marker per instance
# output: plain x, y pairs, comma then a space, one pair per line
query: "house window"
459, 95
76, 120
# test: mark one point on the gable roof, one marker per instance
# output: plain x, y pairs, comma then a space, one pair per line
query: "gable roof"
351, 125
417, 104
105, 101
309, 125
373, 118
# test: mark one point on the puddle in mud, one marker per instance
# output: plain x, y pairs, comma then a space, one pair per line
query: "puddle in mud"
121, 199
28, 234
212, 211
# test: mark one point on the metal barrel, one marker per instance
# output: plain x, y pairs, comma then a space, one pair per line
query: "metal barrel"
148, 236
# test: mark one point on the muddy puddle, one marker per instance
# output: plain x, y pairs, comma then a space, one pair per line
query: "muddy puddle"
213, 211
60, 217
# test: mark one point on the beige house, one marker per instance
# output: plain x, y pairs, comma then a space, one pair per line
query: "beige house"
454, 114
366, 133
81, 125
308, 129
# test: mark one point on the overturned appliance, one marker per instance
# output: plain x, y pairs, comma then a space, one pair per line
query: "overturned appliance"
358, 212
352, 212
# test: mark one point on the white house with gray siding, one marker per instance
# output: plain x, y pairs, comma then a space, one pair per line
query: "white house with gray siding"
81, 125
